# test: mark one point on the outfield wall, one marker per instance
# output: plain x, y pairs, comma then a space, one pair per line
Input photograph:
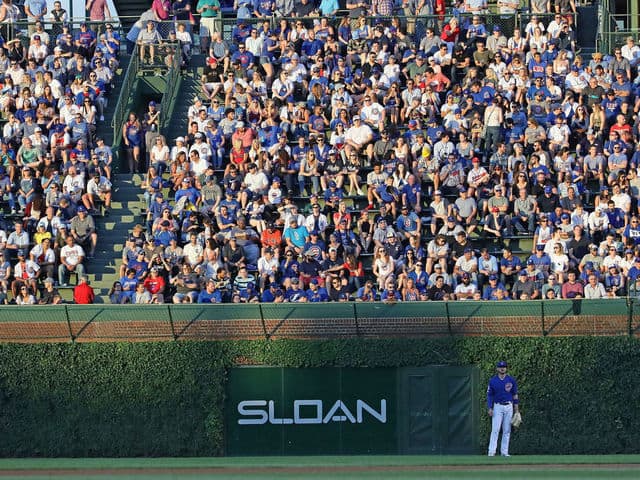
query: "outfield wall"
167, 398
91, 323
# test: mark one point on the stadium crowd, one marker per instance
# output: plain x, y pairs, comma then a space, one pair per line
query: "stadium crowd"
54, 171
354, 155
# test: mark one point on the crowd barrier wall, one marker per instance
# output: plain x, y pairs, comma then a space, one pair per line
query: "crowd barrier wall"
95, 323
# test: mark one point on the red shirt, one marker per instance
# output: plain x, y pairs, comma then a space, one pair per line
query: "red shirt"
154, 285
83, 294
271, 239
449, 34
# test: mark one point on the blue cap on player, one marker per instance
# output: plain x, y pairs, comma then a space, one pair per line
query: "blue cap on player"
501, 364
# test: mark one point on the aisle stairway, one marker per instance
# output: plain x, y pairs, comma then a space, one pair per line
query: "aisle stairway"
103, 269
128, 200
189, 88
112, 232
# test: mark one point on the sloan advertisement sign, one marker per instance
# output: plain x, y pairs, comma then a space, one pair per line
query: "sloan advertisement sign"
295, 411
275, 411
308, 412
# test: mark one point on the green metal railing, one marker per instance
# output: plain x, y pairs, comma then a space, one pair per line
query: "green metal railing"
613, 28
168, 97
121, 111
172, 78
507, 22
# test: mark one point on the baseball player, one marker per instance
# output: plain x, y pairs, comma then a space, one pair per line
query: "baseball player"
502, 402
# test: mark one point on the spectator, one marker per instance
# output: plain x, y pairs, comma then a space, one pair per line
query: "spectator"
24, 296
115, 293
43, 255
25, 274
140, 295
594, 289
572, 288
71, 261
49, 294
155, 285
440, 290
83, 230
148, 38
83, 293
524, 288
465, 290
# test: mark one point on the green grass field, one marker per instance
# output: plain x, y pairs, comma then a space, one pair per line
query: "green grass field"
567, 467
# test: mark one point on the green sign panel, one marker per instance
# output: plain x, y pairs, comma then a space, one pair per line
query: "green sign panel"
289, 411
276, 411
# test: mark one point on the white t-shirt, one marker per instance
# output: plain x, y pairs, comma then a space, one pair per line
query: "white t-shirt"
72, 254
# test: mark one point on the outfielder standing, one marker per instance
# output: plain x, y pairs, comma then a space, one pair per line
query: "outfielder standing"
502, 402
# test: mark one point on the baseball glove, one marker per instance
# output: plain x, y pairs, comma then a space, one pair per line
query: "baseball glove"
516, 420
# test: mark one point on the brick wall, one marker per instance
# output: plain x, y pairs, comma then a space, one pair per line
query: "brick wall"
252, 329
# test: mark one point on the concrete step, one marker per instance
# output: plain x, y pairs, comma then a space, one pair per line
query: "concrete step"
127, 203
127, 198
127, 188
126, 207
119, 222
190, 88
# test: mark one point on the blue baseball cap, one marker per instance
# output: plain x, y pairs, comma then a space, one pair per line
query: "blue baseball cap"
501, 364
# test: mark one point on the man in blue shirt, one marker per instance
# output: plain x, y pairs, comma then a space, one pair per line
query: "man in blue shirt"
502, 403
311, 47
634, 271
35, 11
510, 265
617, 218
243, 56
408, 223
491, 287
296, 235
210, 294
611, 106
412, 194
315, 293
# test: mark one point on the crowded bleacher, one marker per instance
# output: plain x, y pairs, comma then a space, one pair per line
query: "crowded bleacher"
55, 173
338, 155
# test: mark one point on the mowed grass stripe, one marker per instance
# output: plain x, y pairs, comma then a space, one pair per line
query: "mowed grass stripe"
309, 461
468, 474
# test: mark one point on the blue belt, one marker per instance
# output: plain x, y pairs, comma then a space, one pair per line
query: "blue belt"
505, 403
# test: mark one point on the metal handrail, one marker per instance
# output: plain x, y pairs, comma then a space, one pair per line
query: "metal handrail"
609, 35
120, 113
173, 76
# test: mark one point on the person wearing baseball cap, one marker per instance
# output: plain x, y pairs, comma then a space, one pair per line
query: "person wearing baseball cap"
503, 405
493, 285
